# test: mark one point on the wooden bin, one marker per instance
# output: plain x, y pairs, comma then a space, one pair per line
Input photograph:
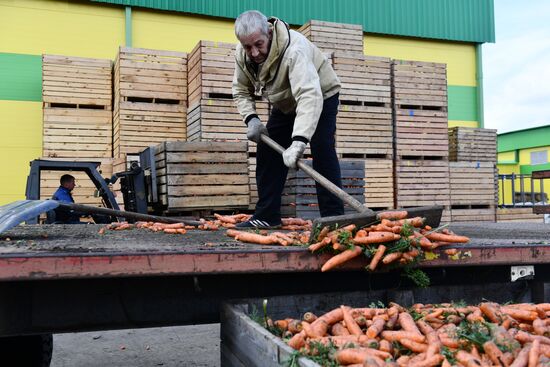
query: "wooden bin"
364, 122
379, 183
202, 175
330, 36
472, 144
83, 192
420, 105
472, 191
300, 195
423, 182
518, 215
150, 98
76, 94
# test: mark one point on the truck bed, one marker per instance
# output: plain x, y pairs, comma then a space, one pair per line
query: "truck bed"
79, 251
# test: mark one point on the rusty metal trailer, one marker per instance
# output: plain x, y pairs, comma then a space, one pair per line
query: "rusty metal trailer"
59, 278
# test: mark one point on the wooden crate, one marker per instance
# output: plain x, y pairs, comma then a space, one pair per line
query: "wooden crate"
76, 82
379, 183
150, 99
202, 175
83, 193
330, 36
472, 191
364, 132
211, 68
300, 195
423, 182
518, 215
77, 117
420, 105
365, 79
219, 120
472, 144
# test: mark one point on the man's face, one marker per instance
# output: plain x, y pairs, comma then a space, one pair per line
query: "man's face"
256, 46
70, 185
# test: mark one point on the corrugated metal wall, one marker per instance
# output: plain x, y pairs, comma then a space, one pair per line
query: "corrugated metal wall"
457, 20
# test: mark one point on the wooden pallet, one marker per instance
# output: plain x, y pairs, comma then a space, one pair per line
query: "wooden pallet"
77, 132
76, 82
150, 99
363, 131
211, 68
472, 144
518, 215
379, 183
83, 192
365, 79
334, 36
202, 175
423, 182
300, 195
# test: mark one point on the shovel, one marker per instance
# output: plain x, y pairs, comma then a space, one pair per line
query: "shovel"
365, 216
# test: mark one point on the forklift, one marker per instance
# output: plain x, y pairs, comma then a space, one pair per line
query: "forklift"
138, 184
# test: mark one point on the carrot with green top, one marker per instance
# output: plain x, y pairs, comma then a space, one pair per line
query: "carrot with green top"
376, 237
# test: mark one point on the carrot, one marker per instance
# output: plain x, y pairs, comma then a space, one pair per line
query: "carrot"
309, 317
490, 310
385, 346
467, 359
281, 324
174, 225
539, 327
534, 354
392, 214
102, 230
414, 346
294, 326
519, 314
225, 218
403, 361
341, 258
170, 230
342, 340
492, 351
376, 327
522, 359
351, 325
252, 237
298, 340
355, 355
393, 316
376, 237
331, 317
434, 236
401, 334
339, 247
339, 329
407, 323
319, 245
422, 241
389, 258
323, 233
430, 361
377, 256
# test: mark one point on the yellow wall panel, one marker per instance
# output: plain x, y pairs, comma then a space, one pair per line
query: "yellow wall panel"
459, 57
21, 141
525, 154
455, 123
507, 156
177, 32
61, 27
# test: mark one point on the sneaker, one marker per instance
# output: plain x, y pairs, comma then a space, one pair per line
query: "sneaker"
256, 223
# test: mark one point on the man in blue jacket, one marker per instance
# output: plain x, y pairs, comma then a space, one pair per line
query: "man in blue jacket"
63, 194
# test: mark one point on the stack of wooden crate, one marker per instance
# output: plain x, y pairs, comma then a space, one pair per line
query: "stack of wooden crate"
150, 98
331, 37
202, 175
76, 94
77, 116
213, 115
300, 195
473, 155
421, 137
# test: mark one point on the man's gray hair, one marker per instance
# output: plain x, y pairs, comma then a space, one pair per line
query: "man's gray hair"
250, 22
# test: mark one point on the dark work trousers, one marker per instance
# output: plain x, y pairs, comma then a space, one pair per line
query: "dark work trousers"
271, 172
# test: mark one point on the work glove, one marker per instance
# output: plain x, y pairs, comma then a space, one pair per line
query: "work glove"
255, 130
293, 153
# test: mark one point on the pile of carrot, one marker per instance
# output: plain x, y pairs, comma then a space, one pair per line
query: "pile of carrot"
488, 334
394, 239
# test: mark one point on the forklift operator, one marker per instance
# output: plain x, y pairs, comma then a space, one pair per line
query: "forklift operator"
303, 89
63, 194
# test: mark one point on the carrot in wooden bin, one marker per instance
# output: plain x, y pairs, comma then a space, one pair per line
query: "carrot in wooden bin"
351, 325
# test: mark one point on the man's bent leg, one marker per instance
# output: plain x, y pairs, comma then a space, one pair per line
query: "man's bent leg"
325, 160
271, 172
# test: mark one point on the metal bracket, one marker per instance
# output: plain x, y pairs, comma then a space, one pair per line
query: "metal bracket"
522, 272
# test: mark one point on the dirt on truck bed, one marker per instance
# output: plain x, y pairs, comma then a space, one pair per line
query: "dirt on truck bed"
85, 238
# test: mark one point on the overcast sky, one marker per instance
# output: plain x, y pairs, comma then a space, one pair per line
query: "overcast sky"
516, 69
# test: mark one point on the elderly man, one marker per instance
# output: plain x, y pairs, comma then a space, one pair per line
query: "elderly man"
297, 79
